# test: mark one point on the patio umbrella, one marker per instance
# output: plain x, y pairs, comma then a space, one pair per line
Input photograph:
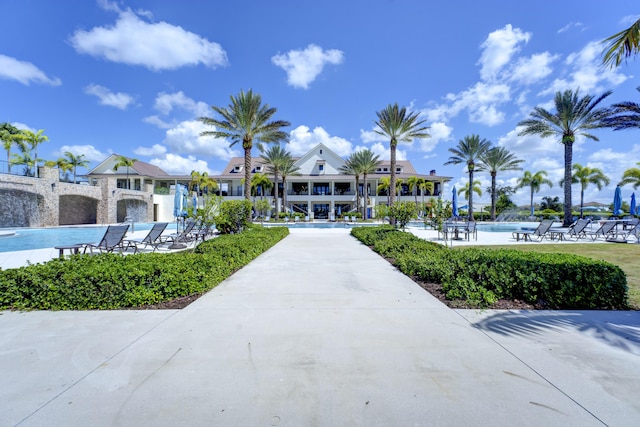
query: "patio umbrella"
633, 204
454, 203
177, 201
617, 202
195, 203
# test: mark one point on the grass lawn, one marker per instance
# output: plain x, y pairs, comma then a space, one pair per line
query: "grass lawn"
625, 256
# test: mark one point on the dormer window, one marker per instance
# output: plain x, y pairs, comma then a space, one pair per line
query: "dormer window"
321, 167
398, 170
321, 151
237, 168
258, 169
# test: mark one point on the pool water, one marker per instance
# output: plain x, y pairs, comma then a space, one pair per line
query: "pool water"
40, 238
319, 224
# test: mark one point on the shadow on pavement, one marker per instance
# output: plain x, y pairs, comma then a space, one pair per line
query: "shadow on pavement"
620, 329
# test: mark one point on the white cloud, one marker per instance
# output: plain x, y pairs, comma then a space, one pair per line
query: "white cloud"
106, 97
480, 101
154, 151
174, 164
533, 69
157, 46
383, 150
439, 131
569, 26
303, 66
185, 138
498, 49
90, 152
24, 72
584, 72
157, 121
166, 102
369, 136
302, 139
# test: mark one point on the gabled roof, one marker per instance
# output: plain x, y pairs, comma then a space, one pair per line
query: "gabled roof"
106, 167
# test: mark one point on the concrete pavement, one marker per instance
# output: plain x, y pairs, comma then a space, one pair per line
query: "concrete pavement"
320, 331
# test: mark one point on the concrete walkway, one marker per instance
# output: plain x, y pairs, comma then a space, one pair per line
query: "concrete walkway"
319, 331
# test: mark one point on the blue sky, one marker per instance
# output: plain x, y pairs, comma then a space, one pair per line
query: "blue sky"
132, 77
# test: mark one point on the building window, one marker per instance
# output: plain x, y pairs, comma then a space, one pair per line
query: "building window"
321, 151
320, 168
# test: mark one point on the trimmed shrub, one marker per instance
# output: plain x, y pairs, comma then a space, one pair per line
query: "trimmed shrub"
111, 281
481, 276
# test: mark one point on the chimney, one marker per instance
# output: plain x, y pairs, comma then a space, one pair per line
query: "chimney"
433, 172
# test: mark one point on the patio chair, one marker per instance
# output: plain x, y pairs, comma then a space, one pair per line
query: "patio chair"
607, 231
577, 230
153, 238
470, 230
630, 223
296, 219
113, 239
185, 236
537, 235
634, 232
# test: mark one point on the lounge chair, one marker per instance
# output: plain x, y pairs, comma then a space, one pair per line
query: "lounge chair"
296, 219
634, 232
607, 231
153, 238
185, 236
576, 231
537, 235
113, 239
306, 218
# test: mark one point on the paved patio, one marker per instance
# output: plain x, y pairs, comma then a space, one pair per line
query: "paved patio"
321, 331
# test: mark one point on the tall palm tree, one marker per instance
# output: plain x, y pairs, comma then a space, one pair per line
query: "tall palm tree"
622, 45
34, 139
470, 151
584, 176
398, 125
246, 119
498, 159
535, 181
62, 164
76, 161
8, 134
351, 167
414, 183
275, 158
631, 176
366, 163
288, 168
574, 116
124, 162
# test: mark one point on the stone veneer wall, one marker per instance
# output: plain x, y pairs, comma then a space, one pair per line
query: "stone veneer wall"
47, 193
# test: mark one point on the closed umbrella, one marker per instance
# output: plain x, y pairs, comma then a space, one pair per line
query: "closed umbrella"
454, 203
617, 202
195, 203
177, 204
633, 204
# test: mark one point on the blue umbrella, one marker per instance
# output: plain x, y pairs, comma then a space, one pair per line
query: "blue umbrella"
195, 203
633, 204
617, 202
177, 201
454, 202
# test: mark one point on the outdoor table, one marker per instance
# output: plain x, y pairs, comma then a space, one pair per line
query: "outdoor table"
73, 249
456, 227
557, 232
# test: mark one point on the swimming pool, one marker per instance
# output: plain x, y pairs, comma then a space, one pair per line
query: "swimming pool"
40, 238
493, 227
319, 224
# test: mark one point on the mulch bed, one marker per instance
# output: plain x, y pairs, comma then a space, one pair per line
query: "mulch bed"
174, 304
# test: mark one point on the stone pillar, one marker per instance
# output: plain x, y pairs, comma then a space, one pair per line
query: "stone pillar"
49, 204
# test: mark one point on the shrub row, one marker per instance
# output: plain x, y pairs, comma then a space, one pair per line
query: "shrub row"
111, 281
481, 276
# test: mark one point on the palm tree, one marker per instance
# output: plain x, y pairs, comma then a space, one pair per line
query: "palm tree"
366, 163
464, 191
288, 168
351, 167
62, 164
398, 125
535, 181
275, 158
76, 161
584, 176
414, 183
574, 116
631, 176
124, 162
8, 136
34, 140
469, 151
262, 182
384, 184
424, 187
23, 159
622, 45
244, 120
625, 115
496, 160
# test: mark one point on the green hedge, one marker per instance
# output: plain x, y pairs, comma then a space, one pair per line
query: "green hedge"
111, 281
481, 276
